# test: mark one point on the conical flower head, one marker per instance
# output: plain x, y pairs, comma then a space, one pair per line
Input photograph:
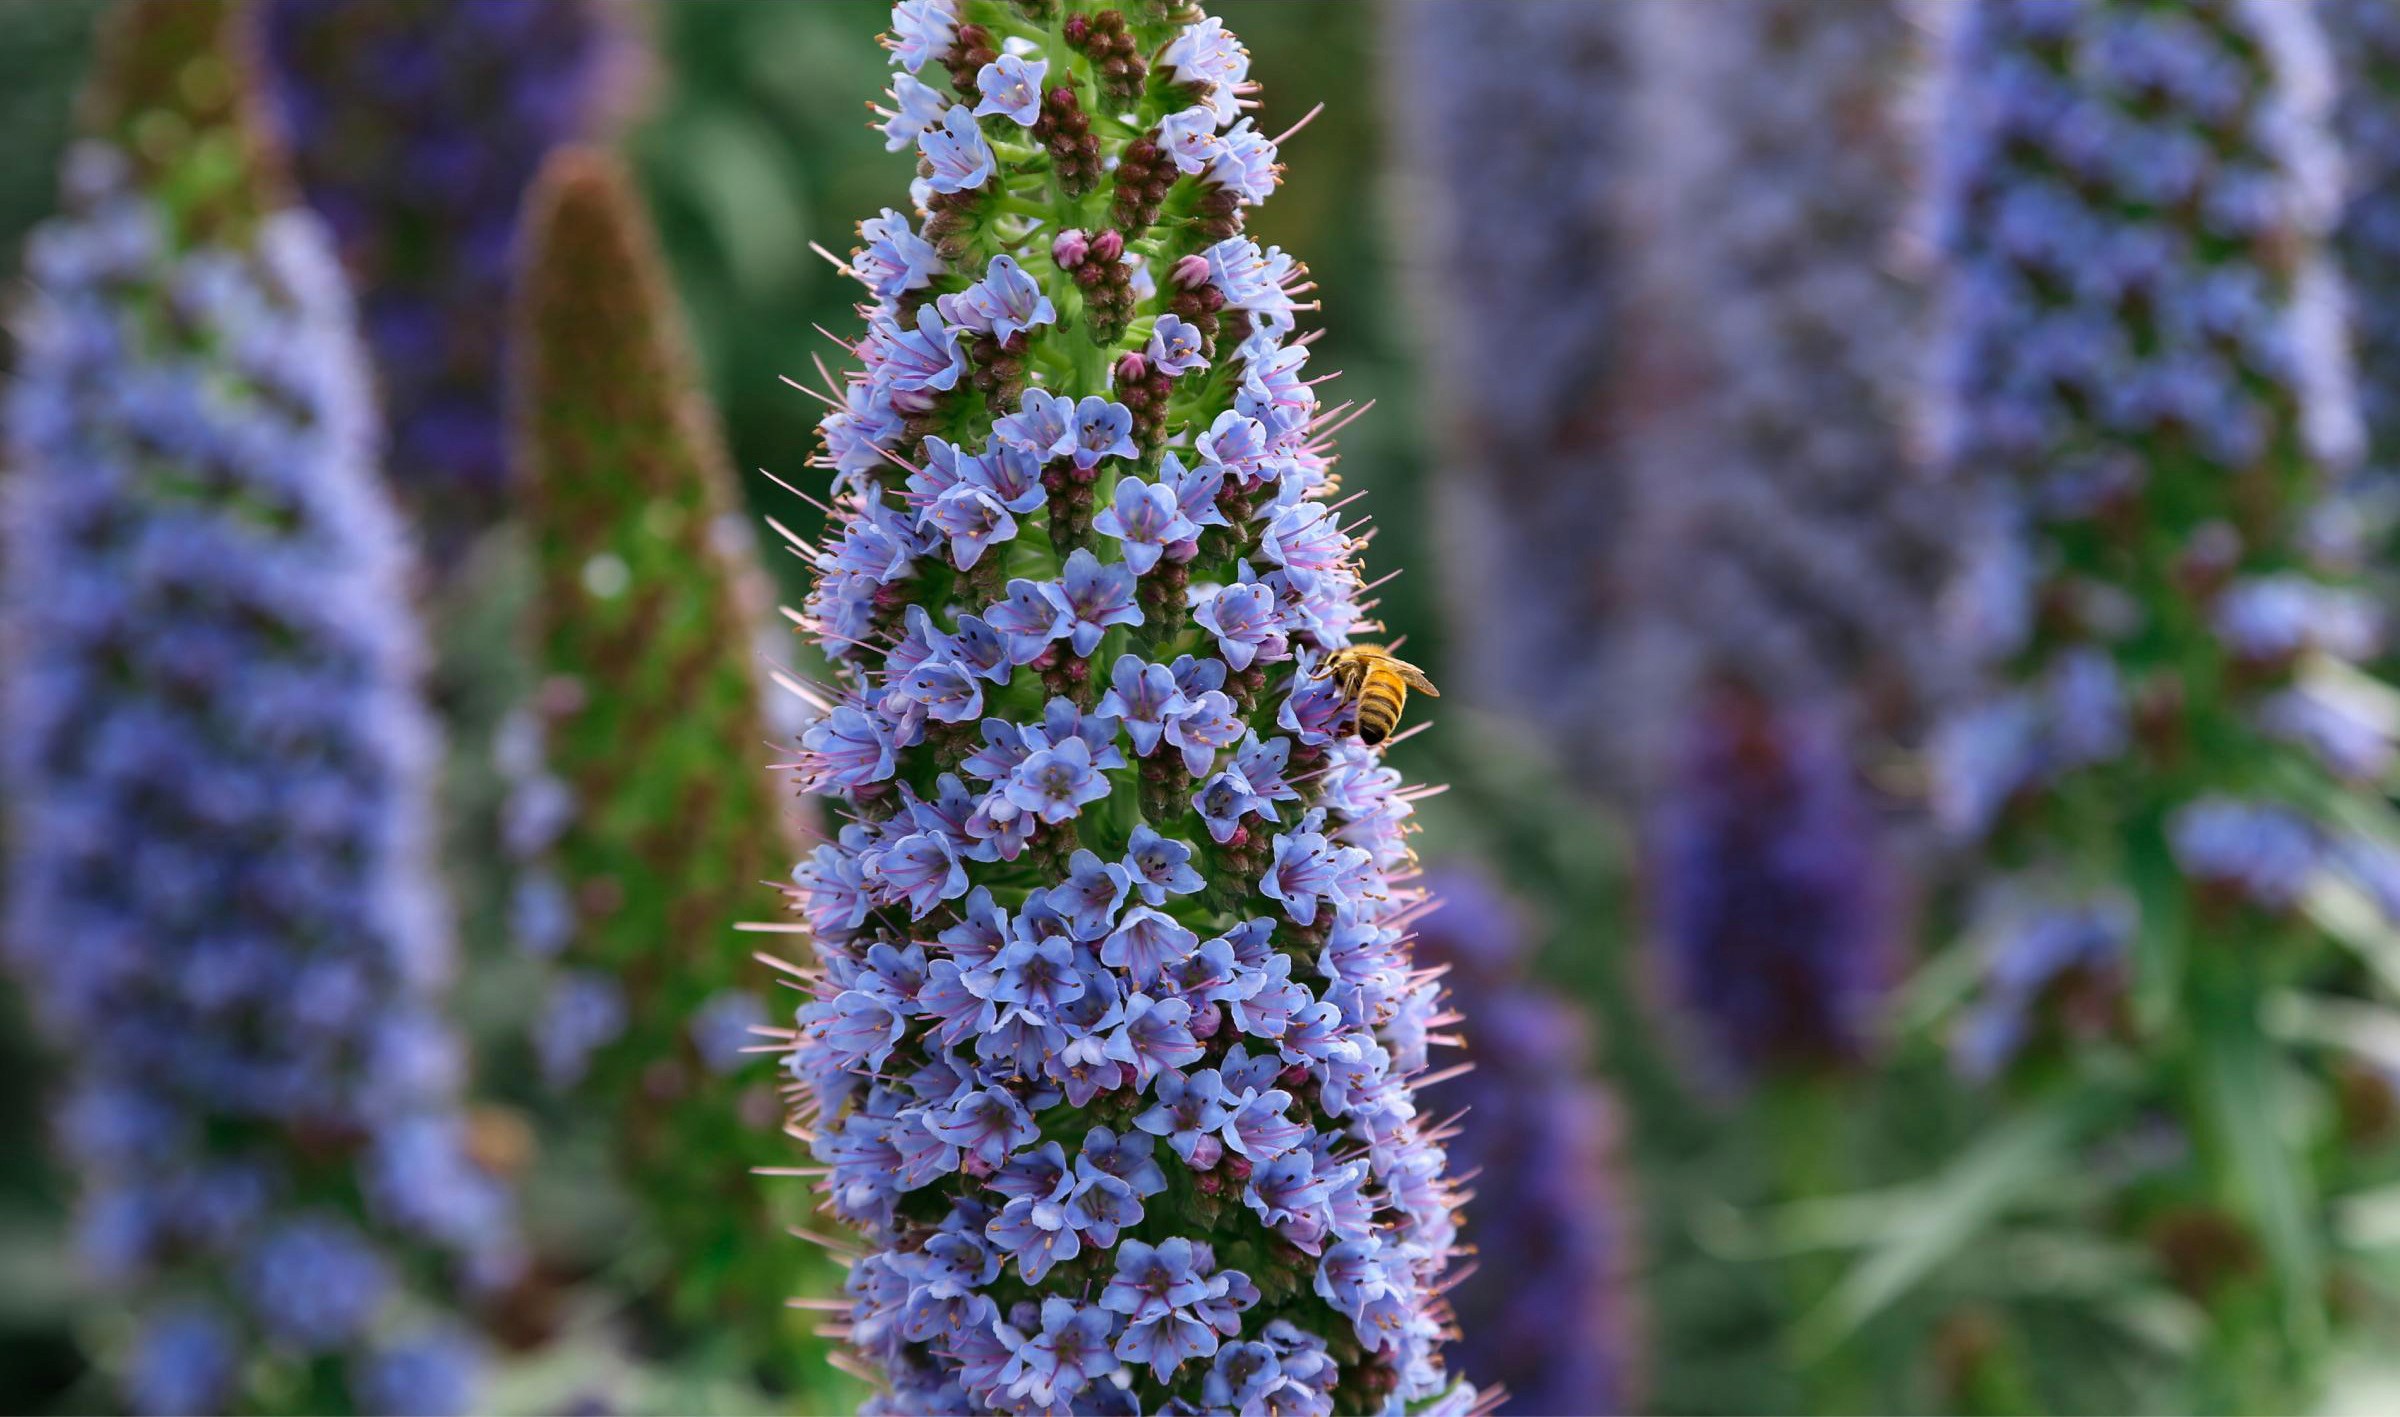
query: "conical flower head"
1110, 1043
644, 727
219, 888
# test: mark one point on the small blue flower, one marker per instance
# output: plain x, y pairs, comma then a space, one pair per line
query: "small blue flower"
1148, 943
961, 160
1056, 783
1155, 1037
1243, 618
1090, 597
1036, 977
895, 259
1160, 866
1011, 86
1210, 721
1034, 614
1091, 895
1144, 695
915, 107
1174, 349
1190, 140
922, 31
1189, 1111
1103, 429
1044, 425
1005, 302
987, 1123
926, 357
1146, 519
1067, 1354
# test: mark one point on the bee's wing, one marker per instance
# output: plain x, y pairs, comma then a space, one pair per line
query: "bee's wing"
1416, 678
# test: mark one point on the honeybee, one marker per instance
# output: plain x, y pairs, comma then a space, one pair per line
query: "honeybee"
1375, 685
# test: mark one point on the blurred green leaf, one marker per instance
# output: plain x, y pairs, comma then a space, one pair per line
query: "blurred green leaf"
1933, 1225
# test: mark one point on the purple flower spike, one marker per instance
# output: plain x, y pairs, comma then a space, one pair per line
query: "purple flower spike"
1112, 853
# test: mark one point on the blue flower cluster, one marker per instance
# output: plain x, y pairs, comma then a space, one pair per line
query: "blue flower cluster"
1113, 1022
2143, 354
415, 127
1546, 1314
219, 891
1509, 142
1792, 540
2364, 37
1774, 904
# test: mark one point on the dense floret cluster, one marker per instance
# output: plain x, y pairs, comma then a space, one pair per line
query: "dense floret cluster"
649, 821
1774, 904
1114, 1021
2143, 353
415, 127
1789, 551
1545, 1315
2364, 37
219, 890
1789, 540
1510, 121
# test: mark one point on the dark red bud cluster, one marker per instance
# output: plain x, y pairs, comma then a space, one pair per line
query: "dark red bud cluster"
1165, 785
1107, 284
969, 52
999, 369
1195, 301
1217, 215
1066, 134
1144, 173
1161, 595
1144, 390
1116, 57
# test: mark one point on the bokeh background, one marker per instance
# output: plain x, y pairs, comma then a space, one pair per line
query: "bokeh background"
1706, 936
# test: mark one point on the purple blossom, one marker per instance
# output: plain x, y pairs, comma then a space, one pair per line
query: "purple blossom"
1003, 303
1103, 429
1090, 597
1012, 88
926, 357
1044, 424
1159, 866
1243, 619
1094, 962
915, 107
1146, 520
1056, 783
961, 160
895, 260
989, 1123
922, 31
1174, 349
1145, 697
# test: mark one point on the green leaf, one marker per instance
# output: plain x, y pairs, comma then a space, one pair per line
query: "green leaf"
1948, 1213
2250, 1106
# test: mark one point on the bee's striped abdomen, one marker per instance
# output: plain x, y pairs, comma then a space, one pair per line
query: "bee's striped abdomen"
1379, 703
